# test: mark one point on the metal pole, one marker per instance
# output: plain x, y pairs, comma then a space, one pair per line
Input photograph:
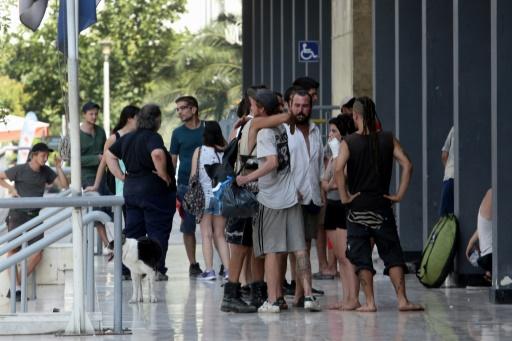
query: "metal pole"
106, 94
24, 307
79, 322
90, 267
13, 288
118, 284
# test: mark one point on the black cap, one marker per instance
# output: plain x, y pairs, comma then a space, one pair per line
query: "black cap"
267, 98
40, 147
89, 106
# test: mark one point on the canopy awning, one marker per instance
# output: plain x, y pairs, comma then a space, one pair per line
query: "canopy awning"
11, 128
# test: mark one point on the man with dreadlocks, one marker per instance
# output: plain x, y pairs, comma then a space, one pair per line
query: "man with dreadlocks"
368, 157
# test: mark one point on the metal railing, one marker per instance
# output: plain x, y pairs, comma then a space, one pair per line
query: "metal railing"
60, 204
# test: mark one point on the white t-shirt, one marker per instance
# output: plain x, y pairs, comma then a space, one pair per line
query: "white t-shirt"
484, 228
276, 189
208, 157
449, 169
307, 166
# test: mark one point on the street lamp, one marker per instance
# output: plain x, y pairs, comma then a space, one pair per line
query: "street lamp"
106, 49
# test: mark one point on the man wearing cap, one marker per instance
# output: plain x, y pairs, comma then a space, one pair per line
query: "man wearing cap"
30, 180
92, 140
278, 228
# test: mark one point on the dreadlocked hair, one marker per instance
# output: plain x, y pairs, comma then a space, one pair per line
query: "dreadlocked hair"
366, 107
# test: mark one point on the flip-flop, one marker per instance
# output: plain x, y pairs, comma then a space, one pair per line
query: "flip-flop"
320, 276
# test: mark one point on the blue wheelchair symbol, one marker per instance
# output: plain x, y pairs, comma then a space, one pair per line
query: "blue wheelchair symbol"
308, 51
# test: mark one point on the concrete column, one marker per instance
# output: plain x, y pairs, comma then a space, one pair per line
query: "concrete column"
501, 54
352, 49
472, 121
408, 120
437, 108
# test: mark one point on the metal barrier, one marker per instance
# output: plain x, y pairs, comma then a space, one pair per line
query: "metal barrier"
325, 113
27, 251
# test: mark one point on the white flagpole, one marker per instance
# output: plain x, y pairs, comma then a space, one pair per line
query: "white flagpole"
79, 323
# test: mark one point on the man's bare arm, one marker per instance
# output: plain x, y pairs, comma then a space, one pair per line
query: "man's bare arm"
268, 166
405, 178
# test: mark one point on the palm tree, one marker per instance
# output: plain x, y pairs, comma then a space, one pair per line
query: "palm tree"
205, 65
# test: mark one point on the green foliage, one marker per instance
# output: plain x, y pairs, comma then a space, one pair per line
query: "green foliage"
12, 97
141, 35
205, 65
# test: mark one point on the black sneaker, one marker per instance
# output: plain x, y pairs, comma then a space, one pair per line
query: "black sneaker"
317, 291
194, 270
18, 295
288, 288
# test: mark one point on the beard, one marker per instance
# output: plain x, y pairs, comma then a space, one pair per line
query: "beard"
302, 118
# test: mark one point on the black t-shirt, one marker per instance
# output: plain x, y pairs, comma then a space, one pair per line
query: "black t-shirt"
363, 175
135, 150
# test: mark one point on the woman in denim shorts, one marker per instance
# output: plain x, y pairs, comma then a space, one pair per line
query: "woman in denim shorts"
212, 223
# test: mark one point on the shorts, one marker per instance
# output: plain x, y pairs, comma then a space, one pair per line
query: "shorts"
214, 207
335, 215
321, 216
280, 230
188, 224
447, 198
19, 217
485, 262
311, 221
238, 231
359, 249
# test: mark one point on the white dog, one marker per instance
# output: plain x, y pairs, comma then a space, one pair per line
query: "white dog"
141, 256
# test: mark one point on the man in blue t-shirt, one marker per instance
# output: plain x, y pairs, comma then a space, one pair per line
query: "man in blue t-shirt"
185, 139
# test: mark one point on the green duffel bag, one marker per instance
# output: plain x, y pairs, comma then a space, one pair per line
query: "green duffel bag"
437, 258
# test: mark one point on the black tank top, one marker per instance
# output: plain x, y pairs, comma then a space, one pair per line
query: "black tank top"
363, 175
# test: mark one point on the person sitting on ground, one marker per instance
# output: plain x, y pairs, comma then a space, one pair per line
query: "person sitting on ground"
30, 180
481, 241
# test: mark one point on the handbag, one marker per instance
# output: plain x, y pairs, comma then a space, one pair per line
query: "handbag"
239, 201
193, 200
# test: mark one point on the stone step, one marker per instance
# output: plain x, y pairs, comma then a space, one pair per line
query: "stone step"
41, 323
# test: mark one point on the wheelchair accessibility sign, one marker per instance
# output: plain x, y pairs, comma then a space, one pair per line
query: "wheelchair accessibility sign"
309, 51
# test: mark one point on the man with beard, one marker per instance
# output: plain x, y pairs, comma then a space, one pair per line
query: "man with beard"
278, 228
185, 139
306, 152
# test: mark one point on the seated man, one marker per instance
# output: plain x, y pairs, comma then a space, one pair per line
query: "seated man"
482, 235
30, 180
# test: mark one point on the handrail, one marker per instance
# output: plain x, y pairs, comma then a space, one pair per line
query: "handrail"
32, 222
50, 239
55, 219
75, 201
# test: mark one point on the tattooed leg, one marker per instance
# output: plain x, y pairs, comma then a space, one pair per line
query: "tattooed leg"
304, 271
